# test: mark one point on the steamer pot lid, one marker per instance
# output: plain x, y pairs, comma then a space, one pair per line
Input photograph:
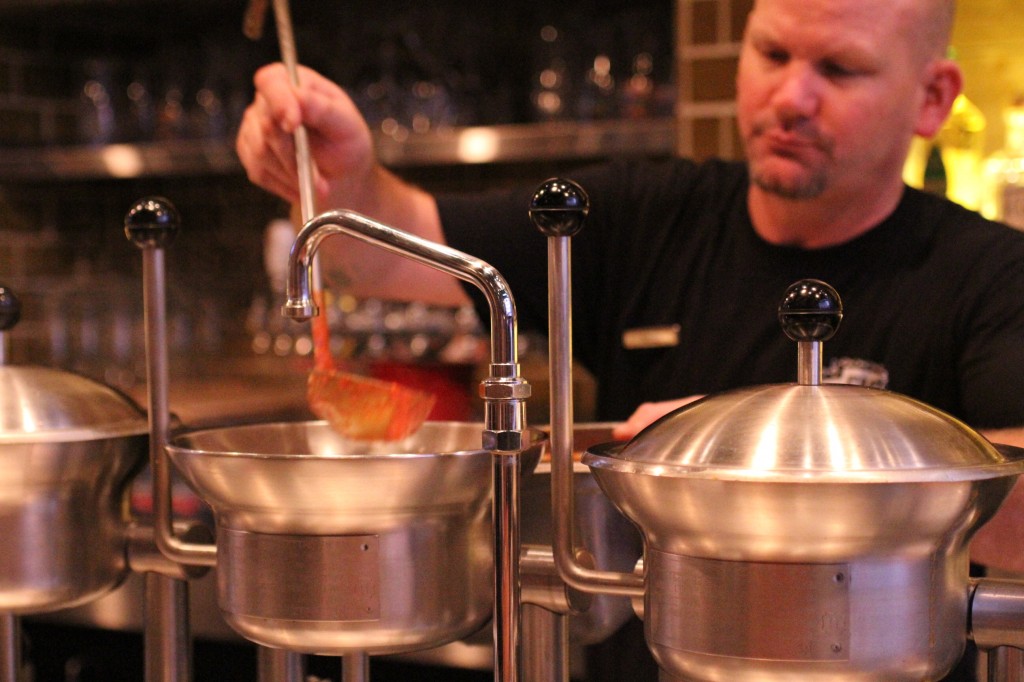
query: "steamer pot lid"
825, 432
40, 405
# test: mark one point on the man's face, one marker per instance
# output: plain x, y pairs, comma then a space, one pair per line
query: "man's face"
828, 94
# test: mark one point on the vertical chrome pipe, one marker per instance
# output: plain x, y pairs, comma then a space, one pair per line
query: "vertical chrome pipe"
279, 665
10, 626
507, 596
152, 224
545, 645
166, 633
1003, 664
355, 667
157, 378
10, 647
808, 363
547, 603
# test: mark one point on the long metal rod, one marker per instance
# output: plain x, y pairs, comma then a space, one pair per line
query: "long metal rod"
355, 667
303, 158
507, 595
155, 305
545, 646
166, 637
562, 500
1002, 664
279, 665
10, 647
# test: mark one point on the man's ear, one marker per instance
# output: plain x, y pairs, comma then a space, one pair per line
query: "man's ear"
943, 82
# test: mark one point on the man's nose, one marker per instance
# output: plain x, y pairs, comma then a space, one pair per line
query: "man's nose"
798, 92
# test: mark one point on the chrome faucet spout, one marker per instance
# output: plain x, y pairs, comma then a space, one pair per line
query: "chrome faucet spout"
301, 306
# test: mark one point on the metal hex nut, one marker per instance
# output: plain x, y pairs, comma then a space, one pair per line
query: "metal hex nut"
503, 441
501, 389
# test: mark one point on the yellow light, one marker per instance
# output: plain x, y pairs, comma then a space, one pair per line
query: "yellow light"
122, 160
477, 145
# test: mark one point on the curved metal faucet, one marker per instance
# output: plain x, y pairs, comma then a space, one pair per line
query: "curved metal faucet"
504, 391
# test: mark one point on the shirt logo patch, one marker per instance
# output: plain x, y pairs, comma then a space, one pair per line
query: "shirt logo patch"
856, 372
661, 336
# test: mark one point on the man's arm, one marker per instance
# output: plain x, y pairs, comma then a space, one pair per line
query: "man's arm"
1000, 543
347, 175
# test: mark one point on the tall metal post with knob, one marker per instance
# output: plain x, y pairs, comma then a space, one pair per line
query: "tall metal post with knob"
558, 209
152, 224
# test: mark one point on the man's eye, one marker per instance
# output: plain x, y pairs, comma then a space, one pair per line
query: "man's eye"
776, 56
834, 70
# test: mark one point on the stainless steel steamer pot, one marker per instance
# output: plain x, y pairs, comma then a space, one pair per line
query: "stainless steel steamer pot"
332, 546
807, 531
69, 447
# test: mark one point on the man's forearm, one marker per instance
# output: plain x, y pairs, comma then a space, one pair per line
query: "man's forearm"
1000, 543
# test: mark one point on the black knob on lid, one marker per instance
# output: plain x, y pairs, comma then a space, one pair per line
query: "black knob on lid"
10, 309
810, 311
558, 207
152, 222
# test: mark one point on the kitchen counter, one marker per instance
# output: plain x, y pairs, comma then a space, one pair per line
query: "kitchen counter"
234, 393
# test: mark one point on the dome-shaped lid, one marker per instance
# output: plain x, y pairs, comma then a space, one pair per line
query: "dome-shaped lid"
800, 432
810, 431
38, 404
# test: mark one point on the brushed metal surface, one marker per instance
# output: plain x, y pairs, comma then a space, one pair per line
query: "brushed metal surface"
63, 521
43, 405
344, 572
797, 612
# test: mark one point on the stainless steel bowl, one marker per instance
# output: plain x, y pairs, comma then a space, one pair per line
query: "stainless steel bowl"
331, 546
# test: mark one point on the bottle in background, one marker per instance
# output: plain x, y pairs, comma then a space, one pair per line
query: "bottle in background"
1003, 172
961, 144
917, 161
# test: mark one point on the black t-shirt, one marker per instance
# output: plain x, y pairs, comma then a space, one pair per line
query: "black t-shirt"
933, 296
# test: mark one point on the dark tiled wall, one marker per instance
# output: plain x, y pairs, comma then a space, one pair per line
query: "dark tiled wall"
707, 51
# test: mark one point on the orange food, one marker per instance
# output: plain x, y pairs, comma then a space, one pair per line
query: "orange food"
359, 407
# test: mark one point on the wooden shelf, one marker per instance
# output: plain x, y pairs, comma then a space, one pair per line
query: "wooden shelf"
569, 140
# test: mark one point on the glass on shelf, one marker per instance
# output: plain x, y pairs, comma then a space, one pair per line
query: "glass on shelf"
1003, 197
961, 145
